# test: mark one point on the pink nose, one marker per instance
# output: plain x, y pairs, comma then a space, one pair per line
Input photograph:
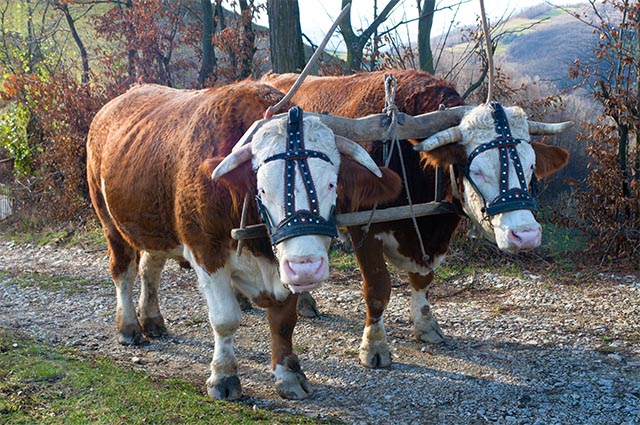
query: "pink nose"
305, 271
526, 238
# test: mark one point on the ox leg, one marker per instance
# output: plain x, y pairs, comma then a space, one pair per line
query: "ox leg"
307, 306
376, 286
291, 382
224, 315
425, 326
149, 314
123, 264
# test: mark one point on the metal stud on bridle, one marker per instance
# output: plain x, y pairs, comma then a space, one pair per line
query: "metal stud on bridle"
517, 198
303, 221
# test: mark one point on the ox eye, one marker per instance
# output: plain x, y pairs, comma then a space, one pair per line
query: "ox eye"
332, 186
477, 174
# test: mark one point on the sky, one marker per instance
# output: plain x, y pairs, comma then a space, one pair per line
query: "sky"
316, 16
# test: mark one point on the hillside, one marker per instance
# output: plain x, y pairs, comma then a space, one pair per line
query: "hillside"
542, 41
551, 47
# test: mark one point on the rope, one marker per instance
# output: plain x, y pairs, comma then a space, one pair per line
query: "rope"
391, 136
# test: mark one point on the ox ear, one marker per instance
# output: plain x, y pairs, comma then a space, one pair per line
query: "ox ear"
549, 159
359, 188
444, 156
232, 161
238, 181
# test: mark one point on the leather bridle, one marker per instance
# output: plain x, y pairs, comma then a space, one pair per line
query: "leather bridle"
302, 221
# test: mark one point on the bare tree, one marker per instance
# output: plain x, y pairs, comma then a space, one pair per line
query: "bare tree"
613, 141
285, 36
356, 43
71, 22
426, 8
208, 66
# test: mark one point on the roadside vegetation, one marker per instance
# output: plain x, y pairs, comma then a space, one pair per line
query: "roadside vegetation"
42, 383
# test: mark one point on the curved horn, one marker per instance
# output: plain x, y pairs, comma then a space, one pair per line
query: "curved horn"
233, 161
542, 128
444, 137
357, 153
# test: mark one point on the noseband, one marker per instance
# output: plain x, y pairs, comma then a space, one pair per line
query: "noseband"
304, 221
517, 198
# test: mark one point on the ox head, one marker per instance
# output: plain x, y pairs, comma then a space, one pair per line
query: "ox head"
500, 165
296, 162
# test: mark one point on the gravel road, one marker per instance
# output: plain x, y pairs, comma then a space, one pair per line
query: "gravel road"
523, 349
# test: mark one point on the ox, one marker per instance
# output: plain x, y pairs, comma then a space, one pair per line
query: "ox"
476, 185
165, 184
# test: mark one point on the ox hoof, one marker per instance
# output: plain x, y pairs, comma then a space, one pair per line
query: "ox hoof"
429, 331
226, 388
244, 302
307, 305
294, 386
291, 381
132, 338
131, 334
154, 327
375, 358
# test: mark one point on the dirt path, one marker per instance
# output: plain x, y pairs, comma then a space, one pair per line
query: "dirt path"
522, 349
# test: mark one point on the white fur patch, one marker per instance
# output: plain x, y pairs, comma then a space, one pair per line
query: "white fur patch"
391, 246
104, 195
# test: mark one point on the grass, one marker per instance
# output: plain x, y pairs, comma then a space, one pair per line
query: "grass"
41, 383
342, 259
26, 229
56, 284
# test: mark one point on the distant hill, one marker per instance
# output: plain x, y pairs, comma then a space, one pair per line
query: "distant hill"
549, 48
546, 48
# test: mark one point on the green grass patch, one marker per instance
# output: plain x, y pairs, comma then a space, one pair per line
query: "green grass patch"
64, 284
342, 260
560, 239
45, 384
27, 230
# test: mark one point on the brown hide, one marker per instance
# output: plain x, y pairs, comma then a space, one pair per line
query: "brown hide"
358, 188
148, 146
363, 94
549, 159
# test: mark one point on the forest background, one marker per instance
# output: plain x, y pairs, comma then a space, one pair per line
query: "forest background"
61, 60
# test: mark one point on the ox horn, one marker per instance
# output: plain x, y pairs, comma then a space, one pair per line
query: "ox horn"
357, 153
542, 128
232, 161
444, 137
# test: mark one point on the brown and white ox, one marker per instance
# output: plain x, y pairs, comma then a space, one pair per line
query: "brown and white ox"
151, 153
417, 93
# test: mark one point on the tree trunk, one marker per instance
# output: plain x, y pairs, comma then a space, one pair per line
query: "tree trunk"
285, 36
74, 33
425, 23
208, 53
248, 39
356, 43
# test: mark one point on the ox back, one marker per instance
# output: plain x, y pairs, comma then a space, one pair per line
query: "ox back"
360, 95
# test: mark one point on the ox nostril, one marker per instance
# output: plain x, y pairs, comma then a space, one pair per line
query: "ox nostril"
526, 238
513, 235
305, 266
